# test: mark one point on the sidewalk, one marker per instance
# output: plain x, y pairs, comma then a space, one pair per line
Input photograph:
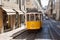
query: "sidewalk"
7, 35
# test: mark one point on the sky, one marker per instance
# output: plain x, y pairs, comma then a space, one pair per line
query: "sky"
44, 2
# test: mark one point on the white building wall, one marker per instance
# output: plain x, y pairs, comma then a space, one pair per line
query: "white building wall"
0, 2
10, 4
32, 4
57, 8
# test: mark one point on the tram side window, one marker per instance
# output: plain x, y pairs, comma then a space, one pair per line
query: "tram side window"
37, 17
27, 17
41, 17
31, 17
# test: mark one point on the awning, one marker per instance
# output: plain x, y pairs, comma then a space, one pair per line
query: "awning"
9, 11
19, 12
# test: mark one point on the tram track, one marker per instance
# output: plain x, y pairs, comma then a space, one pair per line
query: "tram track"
54, 26
51, 33
18, 33
54, 30
45, 33
32, 36
22, 35
28, 35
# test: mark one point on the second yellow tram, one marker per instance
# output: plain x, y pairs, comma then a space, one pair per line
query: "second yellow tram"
33, 20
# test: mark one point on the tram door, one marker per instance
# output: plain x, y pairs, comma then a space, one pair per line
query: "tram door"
34, 20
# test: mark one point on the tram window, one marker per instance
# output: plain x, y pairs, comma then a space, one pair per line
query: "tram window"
27, 17
31, 17
40, 16
37, 17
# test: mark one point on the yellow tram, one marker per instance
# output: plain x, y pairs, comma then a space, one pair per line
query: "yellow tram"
33, 20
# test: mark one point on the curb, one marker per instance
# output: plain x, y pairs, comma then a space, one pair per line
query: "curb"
17, 33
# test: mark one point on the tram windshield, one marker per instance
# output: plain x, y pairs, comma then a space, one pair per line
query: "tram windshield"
34, 17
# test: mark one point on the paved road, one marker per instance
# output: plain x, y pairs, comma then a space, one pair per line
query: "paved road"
55, 29
48, 31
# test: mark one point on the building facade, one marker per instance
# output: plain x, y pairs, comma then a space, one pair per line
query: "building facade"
13, 4
57, 8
